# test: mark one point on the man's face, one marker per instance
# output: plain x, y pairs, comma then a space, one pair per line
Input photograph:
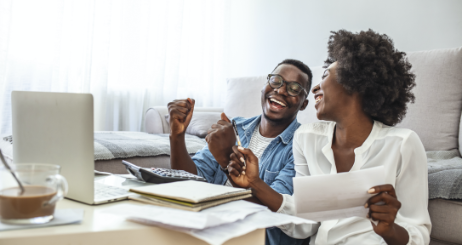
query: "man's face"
277, 104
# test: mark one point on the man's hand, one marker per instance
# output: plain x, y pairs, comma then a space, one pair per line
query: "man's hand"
180, 112
243, 176
220, 139
383, 207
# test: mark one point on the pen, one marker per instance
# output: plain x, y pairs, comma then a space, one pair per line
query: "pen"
237, 136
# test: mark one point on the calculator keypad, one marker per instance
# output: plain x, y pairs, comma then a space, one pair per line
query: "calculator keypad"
174, 173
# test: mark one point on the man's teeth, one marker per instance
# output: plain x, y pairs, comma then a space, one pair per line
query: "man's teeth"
319, 98
279, 102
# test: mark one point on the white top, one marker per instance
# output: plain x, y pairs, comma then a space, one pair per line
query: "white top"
402, 154
257, 145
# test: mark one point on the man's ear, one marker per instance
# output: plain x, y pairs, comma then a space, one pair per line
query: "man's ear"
304, 105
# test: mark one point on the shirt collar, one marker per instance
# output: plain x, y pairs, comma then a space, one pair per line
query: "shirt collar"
286, 135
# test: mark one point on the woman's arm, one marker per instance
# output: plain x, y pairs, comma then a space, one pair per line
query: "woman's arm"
248, 177
385, 213
404, 218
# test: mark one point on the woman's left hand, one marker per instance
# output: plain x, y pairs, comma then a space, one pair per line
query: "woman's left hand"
383, 208
243, 176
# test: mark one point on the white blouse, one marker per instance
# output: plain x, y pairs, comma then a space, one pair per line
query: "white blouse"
402, 154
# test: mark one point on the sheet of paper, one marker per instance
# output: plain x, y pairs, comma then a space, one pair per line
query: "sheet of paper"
101, 173
218, 235
222, 214
337, 196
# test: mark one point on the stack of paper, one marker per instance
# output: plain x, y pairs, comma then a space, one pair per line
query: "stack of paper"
189, 195
214, 225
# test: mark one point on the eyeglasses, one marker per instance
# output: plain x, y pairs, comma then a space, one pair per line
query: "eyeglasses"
293, 88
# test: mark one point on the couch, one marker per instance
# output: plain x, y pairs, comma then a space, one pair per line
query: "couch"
435, 117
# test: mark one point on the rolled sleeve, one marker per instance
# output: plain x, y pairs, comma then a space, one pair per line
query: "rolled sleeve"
208, 167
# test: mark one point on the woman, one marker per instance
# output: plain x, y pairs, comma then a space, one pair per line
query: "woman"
364, 92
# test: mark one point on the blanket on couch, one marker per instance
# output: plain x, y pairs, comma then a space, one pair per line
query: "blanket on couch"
444, 174
123, 144
119, 144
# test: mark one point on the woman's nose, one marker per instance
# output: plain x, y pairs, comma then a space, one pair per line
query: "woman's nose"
315, 88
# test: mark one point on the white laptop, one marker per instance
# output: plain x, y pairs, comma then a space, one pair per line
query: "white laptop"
57, 128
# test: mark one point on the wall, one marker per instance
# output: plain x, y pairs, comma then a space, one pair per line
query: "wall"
261, 33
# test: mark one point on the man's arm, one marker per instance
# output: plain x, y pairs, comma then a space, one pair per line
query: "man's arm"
180, 112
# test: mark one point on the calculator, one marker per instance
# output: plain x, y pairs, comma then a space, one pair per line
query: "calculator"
160, 175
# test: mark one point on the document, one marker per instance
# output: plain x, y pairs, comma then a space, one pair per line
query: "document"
218, 235
215, 225
337, 196
218, 215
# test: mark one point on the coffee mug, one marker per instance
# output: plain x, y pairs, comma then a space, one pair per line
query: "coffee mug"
43, 186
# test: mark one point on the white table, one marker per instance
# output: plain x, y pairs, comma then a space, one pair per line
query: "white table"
102, 228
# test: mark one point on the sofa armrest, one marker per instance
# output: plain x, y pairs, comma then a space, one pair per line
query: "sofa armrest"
155, 123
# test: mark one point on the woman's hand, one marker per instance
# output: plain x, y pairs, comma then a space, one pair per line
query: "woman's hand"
383, 208
243, 176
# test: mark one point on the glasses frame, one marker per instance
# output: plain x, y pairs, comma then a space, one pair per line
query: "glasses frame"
282, 84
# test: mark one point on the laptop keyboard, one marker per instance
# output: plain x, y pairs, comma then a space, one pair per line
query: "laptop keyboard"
103, 191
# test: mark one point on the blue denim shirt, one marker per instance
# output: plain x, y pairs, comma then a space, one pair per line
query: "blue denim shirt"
276, 167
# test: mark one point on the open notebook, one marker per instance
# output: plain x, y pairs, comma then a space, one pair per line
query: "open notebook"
189, 195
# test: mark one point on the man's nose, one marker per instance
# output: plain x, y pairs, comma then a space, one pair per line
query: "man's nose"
282, 89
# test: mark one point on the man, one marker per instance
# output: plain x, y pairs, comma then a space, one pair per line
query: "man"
269, 136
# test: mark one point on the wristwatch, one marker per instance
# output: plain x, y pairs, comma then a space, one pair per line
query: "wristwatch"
225, 170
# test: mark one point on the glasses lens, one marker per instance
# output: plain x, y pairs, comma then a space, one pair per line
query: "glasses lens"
275, 81
294, 88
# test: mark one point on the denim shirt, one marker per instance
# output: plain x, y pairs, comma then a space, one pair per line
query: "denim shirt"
276, 166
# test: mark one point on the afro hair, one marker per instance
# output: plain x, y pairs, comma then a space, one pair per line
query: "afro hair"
368, 64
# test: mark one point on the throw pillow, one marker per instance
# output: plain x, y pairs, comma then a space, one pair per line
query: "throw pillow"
200, 122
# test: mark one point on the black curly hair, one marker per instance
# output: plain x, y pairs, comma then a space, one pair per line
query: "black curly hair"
302, 67
369, 64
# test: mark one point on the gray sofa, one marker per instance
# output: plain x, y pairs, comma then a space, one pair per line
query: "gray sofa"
435, 117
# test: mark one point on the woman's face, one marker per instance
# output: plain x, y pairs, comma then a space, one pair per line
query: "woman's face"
331, 98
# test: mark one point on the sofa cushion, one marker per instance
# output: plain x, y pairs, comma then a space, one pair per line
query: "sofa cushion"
243, 96
435, 115
200, 122
446, 217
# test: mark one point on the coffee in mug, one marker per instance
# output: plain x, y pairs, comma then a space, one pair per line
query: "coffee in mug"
43, 187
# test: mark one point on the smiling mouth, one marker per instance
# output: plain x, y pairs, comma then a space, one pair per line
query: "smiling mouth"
276, 103
318, 98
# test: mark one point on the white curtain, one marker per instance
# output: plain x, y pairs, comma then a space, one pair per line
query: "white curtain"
129, 54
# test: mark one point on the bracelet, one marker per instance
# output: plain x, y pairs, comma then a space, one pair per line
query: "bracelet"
225, 170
